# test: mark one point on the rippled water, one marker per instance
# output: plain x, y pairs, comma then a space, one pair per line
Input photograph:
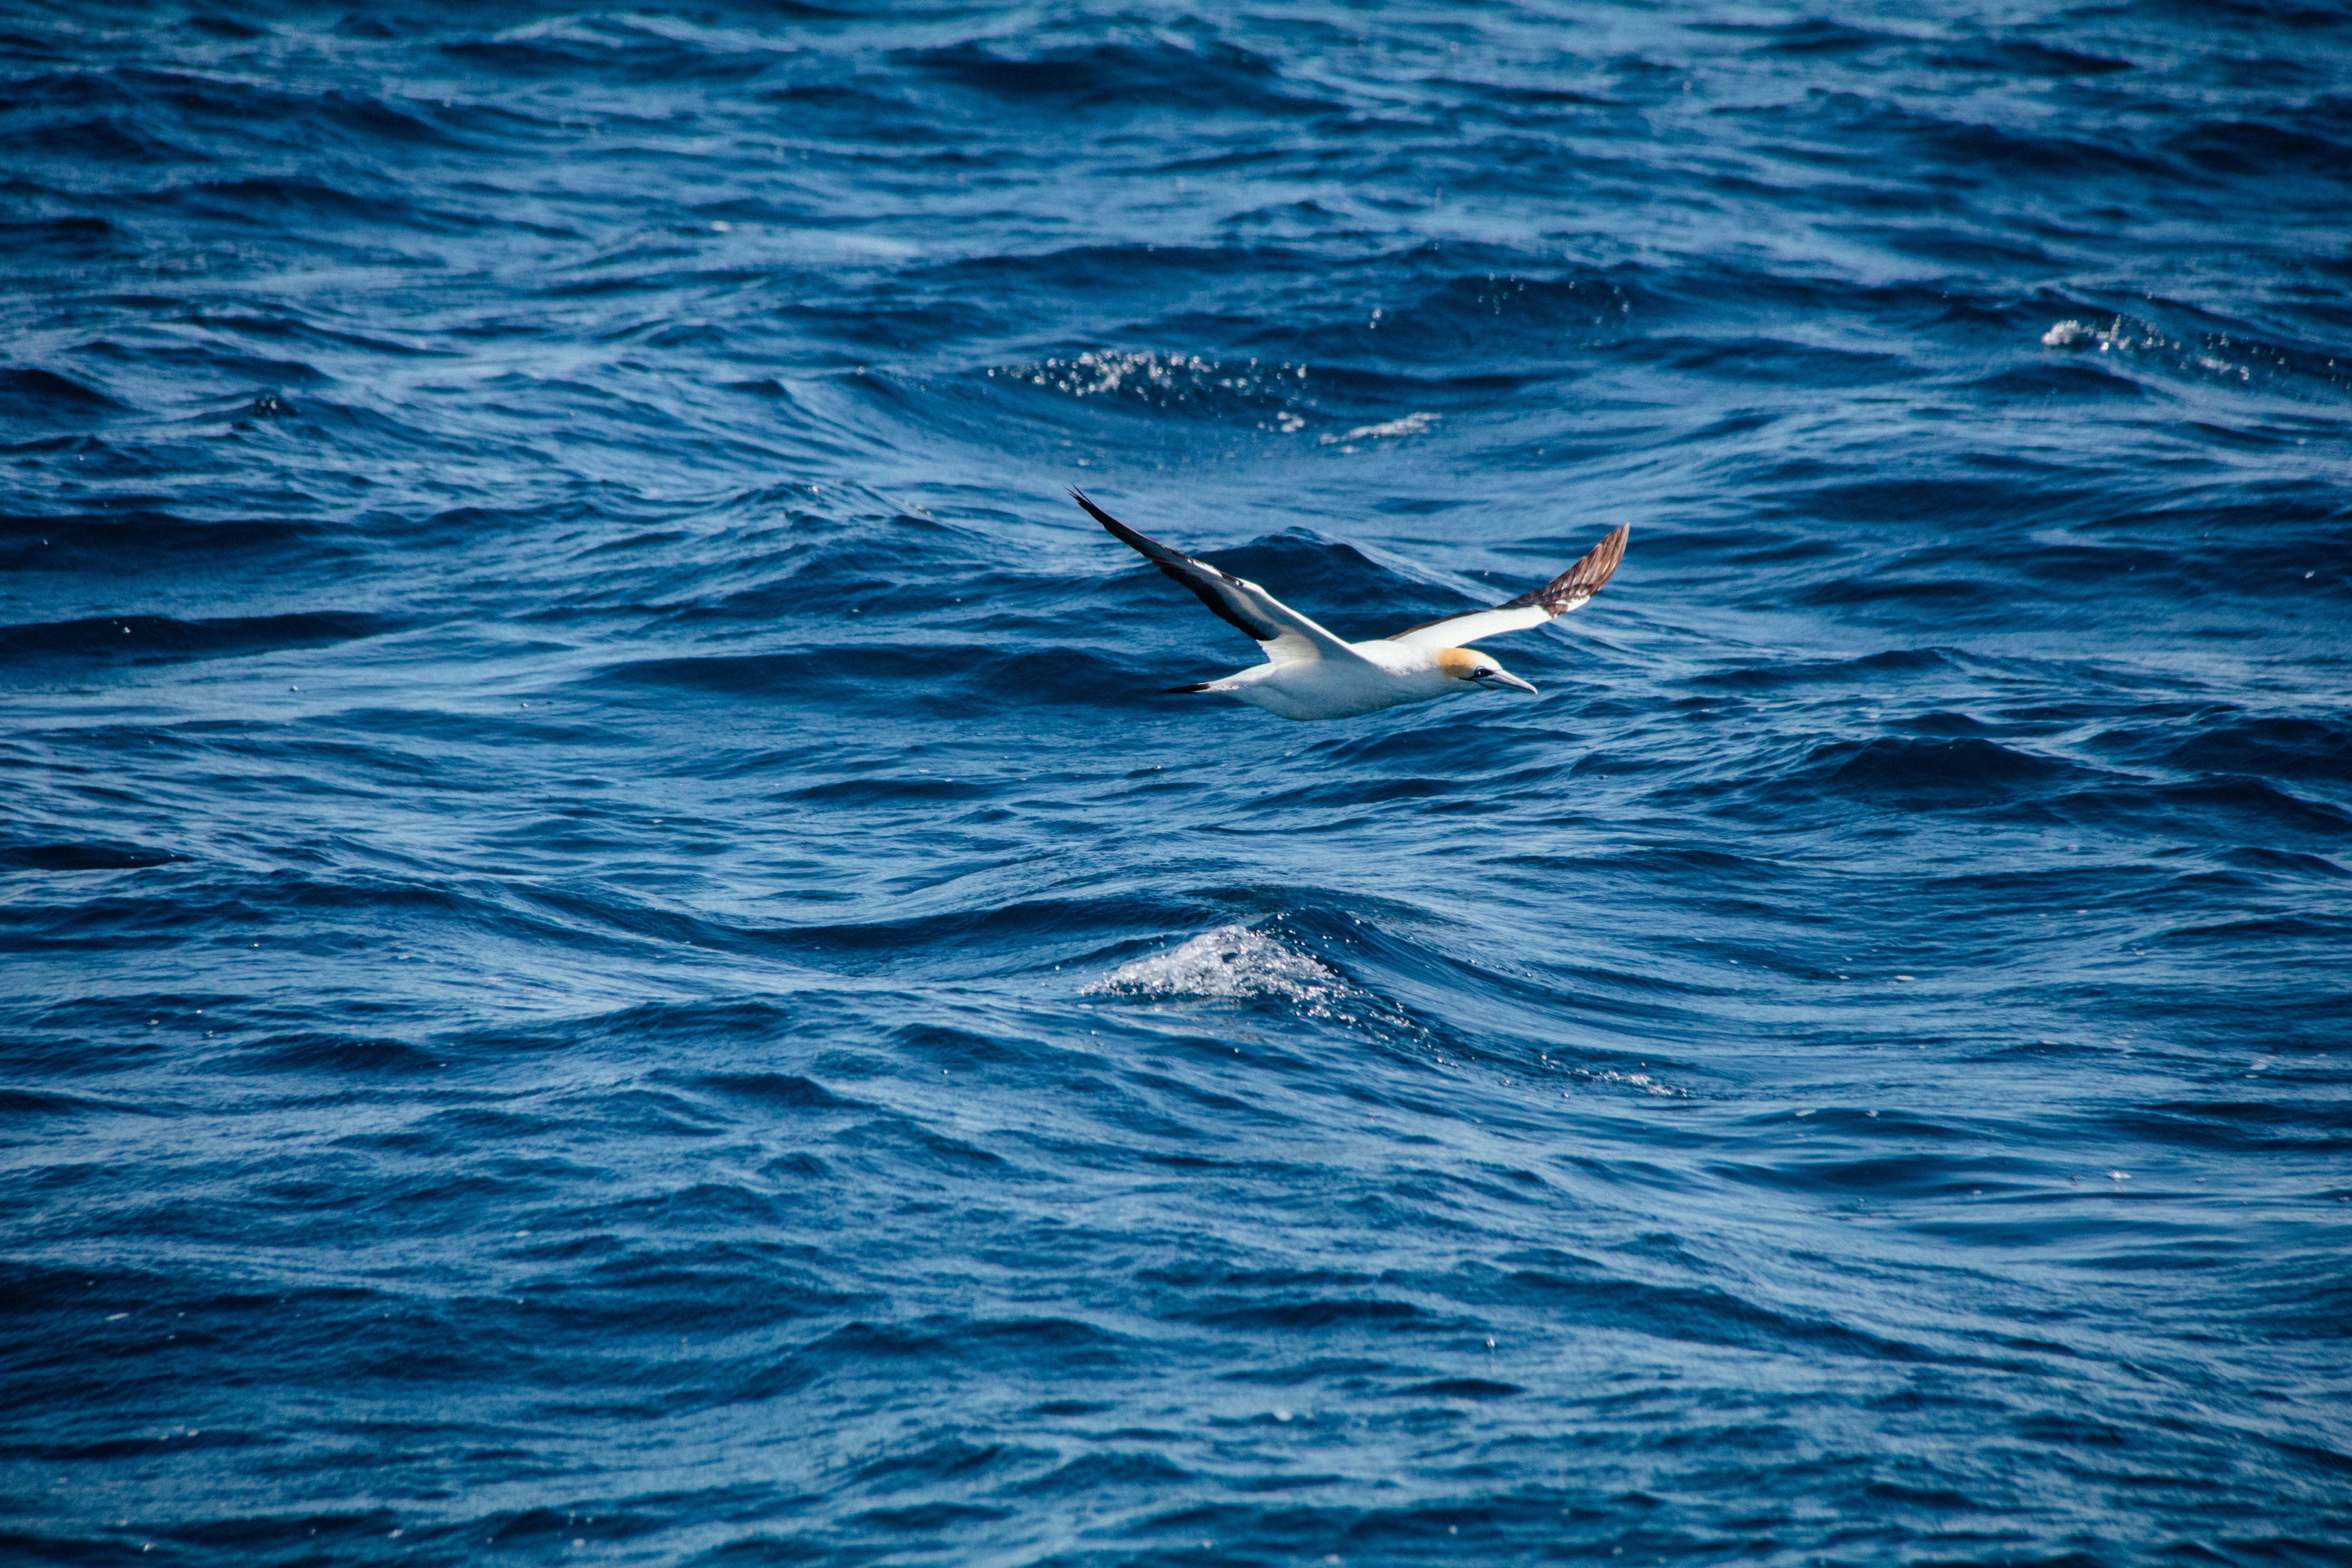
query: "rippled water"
615, 954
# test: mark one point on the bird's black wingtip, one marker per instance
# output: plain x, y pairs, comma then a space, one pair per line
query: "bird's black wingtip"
1100, 516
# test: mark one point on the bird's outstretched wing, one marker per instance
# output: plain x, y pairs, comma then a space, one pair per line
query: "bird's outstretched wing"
1557, 597
1289, 636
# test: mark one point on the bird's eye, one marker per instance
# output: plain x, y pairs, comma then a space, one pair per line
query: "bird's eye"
1480, 674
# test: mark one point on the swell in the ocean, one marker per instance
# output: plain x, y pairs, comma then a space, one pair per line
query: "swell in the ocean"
615, 951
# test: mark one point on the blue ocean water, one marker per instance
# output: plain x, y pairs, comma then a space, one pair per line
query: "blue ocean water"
614, 952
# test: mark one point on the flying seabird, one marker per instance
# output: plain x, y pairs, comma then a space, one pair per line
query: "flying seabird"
1310, 674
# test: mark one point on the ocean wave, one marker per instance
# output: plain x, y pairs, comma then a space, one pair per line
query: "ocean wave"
615, 945
1217, 79
29, 396
1230, 963
153, 639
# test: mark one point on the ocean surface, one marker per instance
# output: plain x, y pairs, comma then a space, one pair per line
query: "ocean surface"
615, 952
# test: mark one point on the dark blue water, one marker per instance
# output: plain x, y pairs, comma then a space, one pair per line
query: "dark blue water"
614, 954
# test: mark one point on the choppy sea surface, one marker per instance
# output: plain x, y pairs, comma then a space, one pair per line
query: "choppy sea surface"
614, 953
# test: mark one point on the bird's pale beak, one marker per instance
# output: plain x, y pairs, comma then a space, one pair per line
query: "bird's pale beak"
1502, 677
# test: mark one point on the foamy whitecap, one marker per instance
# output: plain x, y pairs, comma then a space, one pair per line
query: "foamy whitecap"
1394, 430
1647, 1084
1157, 379
2216, 352
2121, 335
1230, 962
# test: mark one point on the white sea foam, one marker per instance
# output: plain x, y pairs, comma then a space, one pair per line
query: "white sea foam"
1410, 425
2125, 335
1642, 1081
1230, 962
1158, 378
2119, 336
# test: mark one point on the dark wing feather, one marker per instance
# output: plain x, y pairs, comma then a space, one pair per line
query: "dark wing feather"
1580, 582
1287, 636
1557, 597
1205, 579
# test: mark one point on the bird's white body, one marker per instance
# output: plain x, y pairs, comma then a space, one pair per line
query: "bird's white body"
1310, 674
1382, 675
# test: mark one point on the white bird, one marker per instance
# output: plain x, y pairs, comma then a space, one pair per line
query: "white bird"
1311, 674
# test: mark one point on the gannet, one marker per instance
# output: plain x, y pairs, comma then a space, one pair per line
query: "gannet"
1311, 674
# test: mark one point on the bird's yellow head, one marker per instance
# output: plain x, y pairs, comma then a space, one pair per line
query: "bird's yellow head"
1478, 670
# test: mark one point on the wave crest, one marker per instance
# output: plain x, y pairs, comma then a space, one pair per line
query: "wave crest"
1230, 962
